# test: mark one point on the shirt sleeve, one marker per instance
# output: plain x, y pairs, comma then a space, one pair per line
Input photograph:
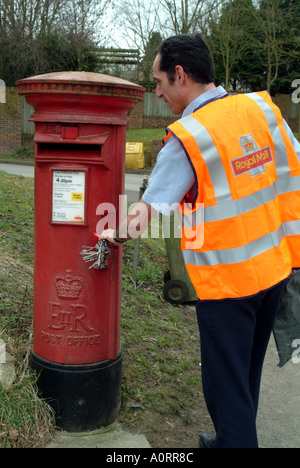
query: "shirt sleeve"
171, 179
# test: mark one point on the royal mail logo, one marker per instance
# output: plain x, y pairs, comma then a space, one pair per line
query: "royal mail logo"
251, 161
248, 146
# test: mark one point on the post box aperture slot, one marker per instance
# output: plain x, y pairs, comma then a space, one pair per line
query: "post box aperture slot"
68, 152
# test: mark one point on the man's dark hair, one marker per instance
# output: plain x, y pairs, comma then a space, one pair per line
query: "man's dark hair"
192, 53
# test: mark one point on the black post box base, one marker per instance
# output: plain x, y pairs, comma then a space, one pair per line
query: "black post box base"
84, 397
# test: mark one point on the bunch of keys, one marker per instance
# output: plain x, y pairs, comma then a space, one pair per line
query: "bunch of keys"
98, 254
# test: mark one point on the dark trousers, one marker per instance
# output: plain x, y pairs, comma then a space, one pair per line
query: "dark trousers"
234, 336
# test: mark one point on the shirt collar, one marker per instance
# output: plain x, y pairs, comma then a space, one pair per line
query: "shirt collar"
200, 100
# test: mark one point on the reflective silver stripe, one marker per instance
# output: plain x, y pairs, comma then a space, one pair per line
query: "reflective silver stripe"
287, 184
246, 204
281, 159
236, 255
291, 228
211, 156
243, 205
230, 209
240, 206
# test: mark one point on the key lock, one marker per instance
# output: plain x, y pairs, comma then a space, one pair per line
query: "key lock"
98, 254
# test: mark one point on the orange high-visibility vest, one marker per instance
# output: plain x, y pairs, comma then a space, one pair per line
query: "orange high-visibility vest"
241, 230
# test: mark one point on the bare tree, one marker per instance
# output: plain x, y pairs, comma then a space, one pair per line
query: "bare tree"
29, 18
231, 34
137, 20
139, 23
85, 17
187, 16
37, 36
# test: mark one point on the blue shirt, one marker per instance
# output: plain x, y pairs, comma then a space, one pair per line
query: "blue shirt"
172, 177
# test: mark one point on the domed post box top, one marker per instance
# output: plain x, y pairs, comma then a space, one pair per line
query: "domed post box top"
80, 96
80, 83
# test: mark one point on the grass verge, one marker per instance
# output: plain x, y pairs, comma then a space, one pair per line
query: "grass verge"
161, 387
25, 420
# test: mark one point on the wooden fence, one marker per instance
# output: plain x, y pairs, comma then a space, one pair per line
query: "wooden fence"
152, 107
27, 111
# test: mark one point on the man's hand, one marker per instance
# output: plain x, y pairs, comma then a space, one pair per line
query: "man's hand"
109, 235
132, 226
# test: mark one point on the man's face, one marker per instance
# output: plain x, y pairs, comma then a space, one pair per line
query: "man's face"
170, 92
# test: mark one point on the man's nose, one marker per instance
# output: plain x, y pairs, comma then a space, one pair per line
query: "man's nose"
158, 92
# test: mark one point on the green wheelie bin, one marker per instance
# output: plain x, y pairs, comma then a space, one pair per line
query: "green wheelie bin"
178, 287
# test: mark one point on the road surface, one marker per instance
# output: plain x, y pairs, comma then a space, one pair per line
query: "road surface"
132, 181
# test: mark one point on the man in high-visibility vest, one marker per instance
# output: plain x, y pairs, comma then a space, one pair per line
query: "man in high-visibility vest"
232, 161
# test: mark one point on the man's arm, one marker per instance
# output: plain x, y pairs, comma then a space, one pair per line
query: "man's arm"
133, 226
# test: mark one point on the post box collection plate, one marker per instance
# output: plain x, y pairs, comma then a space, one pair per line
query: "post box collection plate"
68, 197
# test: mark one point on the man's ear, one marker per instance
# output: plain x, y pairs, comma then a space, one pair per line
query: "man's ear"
180, 74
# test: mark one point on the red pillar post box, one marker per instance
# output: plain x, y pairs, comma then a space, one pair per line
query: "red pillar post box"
80, 135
